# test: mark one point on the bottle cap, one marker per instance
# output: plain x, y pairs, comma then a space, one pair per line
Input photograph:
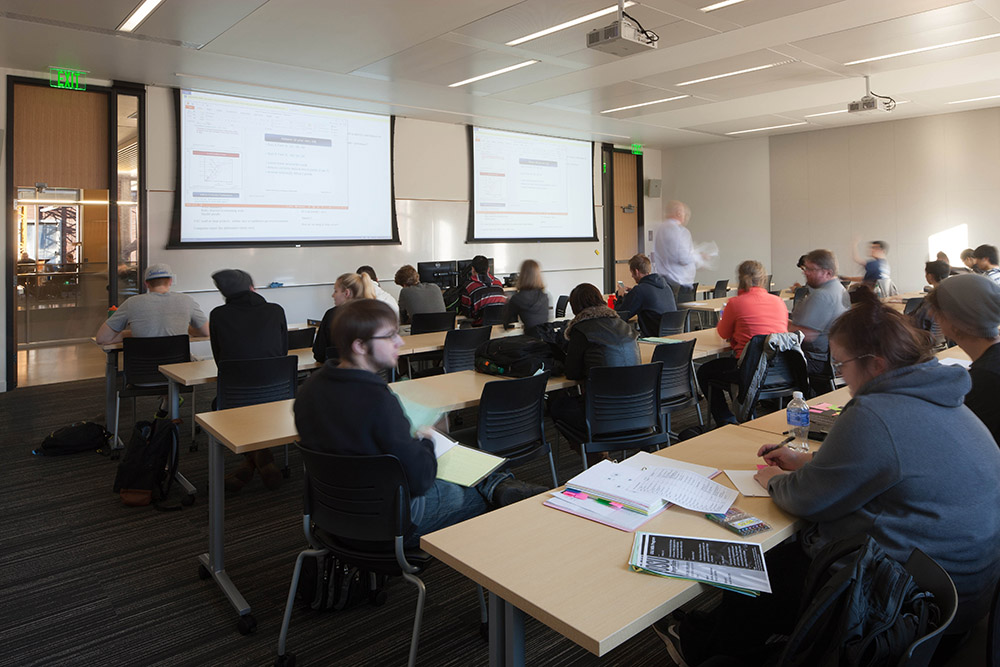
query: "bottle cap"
797, 394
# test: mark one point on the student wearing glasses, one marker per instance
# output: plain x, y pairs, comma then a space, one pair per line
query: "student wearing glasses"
826, 300
347, 408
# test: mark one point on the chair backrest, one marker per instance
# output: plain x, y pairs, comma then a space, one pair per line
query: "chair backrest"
930, 576
252, 381
561, 304
721, 290
993, 631
300, 338
677, 377
144, 356
800, 293
684, 295
786, 372
358, 498
622, 398
492, 315
770, 279
912, 305
649, 322
511, 413
460, 348
429, 322
675, 322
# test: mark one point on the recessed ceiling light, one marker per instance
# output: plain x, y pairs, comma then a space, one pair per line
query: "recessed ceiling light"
825, 113
924, 48
720, 5
976, 99
494, 73
567, 24
737, 72
646, 104
138, 15
770, 127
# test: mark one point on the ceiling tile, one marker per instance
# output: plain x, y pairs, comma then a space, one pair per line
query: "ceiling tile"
409, 63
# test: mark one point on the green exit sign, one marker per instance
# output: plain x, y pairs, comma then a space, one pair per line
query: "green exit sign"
636, 149
70, 79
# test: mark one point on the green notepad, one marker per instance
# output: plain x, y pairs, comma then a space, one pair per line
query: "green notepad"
658, 339
420, 416
462, 465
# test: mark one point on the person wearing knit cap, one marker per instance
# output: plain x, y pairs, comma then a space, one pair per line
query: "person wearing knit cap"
247, 327
157, 312
968, 309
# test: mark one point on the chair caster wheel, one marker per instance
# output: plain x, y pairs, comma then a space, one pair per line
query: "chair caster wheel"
287, 660
247, 624
378, 598
187, 501
203, 573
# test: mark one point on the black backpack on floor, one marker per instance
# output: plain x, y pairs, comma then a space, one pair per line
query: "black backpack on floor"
79, 437
514, 356
326, 584
147, 470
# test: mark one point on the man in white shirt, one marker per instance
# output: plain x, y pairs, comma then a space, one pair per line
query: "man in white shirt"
380, 294
674, 256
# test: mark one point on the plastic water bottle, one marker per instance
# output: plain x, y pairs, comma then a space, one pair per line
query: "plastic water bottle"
797, 416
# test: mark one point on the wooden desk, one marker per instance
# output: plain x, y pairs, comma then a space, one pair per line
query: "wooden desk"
572, 574
716, 305
954, 353
255, 427
776, 424
708, 343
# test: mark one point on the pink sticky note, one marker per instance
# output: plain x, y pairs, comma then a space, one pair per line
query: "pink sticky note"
617, 506
761, 466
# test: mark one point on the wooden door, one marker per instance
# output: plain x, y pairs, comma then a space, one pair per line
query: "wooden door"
626, 213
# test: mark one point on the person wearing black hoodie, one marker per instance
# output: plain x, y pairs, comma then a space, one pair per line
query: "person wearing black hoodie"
648, 300
247, 327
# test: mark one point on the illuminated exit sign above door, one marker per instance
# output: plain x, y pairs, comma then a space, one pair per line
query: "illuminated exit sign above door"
71, 79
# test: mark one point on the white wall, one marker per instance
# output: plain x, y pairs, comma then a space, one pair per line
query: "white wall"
727, 187
431, 167
898, 181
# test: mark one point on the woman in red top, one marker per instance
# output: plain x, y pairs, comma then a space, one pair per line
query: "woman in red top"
751, 312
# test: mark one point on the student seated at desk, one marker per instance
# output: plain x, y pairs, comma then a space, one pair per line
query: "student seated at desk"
530, 302
158, 312
416, 297
347, 287
967, 308
481, 291
380, 293
906, 463
349, 409
246, 326
751, 312
648, 300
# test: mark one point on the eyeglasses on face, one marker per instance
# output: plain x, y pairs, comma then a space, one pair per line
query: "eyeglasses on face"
388, 336
837, 365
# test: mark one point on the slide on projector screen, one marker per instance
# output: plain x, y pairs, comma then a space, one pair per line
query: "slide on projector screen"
527, 186
272, 172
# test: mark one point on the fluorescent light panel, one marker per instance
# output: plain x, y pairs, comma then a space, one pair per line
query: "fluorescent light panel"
976, 99
720, 5
924, 48
825, 113
138, 15
737, 72
494, 73
568, 24
761, 129
646, 104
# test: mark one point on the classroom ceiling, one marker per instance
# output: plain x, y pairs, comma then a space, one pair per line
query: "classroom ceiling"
399, 56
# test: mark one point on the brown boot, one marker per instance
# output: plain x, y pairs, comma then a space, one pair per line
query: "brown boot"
236, 480
269, 472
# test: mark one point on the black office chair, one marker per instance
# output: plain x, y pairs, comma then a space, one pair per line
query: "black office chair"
930, 576
678, 385
253, 381
993, 631
622, 407
301, 338
357, 508
459, 351
721, 290
675, 322
786, 373
649, 322
800, 293
492, 315
687, 294
511, 422
827, 378
141, 377
912, 305
561, 304
431, 322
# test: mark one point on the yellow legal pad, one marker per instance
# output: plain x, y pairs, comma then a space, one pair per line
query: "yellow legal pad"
462, 465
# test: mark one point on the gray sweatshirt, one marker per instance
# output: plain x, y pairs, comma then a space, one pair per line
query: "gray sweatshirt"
907, 463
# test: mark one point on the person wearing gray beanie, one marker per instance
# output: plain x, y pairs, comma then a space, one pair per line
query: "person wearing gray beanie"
968, 309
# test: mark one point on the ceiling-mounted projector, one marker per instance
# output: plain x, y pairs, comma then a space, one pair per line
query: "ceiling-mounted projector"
621, 38
871, 102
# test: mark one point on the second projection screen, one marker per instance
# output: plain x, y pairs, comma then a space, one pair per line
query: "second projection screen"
531, 187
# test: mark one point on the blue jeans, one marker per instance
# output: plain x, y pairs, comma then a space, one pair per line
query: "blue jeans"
447, 504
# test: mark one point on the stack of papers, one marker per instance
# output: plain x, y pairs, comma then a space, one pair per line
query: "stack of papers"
658, 340
734, 566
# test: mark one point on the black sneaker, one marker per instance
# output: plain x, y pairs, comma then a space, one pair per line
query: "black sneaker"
666, 629
512, 490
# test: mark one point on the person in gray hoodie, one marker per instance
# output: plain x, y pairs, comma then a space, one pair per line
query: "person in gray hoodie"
906, 461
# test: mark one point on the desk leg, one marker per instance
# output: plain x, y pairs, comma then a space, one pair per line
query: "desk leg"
174, 395
213, 563
506, 633
110, 389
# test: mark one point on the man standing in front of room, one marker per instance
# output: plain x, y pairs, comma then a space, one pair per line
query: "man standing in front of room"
674, 256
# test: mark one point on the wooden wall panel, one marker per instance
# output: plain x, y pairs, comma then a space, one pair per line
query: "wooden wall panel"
60, 137
95, 228
626, 224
